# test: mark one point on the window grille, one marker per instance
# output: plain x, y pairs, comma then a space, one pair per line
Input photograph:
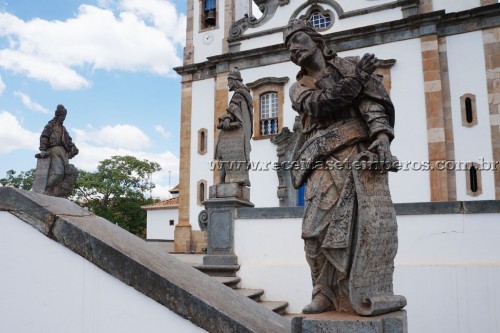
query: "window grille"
269, 114
320, 21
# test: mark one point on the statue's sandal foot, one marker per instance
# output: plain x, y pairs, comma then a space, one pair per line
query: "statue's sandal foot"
319, 304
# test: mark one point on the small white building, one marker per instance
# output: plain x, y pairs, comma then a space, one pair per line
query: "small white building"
162, 217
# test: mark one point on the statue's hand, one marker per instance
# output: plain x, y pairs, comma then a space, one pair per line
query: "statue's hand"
368, 63
382, 147
226, 125
43, 154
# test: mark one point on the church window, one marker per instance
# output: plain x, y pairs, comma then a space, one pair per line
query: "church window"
202, 141
268, 99
320, 18
202, 191
473, 179
468, 108
320, 21
269, 113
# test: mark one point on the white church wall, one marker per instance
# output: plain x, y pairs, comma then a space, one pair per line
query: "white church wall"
455, 6
468, 75
446, 267
283, 15
202, 117
407, 94
204, 49
158, 225
45, 287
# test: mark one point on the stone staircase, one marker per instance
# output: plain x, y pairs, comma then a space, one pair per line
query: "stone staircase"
227, 276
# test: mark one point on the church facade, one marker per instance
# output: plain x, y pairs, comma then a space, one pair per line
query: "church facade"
440, 62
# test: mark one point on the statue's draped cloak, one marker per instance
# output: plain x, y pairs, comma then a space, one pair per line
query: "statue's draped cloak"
239, 112
338, 126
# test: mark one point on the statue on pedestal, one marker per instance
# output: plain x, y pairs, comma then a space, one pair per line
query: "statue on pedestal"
342, 154
54, 175
236, 125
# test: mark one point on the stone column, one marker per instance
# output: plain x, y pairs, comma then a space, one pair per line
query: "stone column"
436, 127
491, 40
182, 232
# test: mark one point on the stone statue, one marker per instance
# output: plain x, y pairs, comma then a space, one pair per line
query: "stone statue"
236, 125
54, 175
342, 154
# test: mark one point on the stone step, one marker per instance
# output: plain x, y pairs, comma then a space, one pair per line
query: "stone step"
253, 294
230, 281
218, 270
276, 306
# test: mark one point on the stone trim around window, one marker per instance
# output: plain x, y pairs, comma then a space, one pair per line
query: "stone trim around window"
202, 141
260, 88
324, 12
201, 192
468, 110
473, 179
202, 15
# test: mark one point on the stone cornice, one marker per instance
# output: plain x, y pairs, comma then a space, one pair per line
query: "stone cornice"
412, 208
438, 23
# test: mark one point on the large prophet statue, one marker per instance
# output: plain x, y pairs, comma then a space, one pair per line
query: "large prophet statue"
342, 155
54, 175
236, 125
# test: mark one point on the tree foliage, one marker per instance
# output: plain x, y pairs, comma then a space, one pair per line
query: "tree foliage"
23, 181
117, 190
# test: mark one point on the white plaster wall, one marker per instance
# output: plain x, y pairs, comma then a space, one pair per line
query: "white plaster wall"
447, 267
202, 117
202, 50
158, 223
410, 146
264, 178
455, 6
44, 287
468, 75
407, 93
283, 15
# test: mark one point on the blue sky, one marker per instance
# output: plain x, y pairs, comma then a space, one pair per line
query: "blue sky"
109, 62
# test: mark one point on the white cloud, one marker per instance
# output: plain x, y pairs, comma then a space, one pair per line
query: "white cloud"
133, 36
166, 134
13, 136
90, 156
118, 136
2, 86
30, 104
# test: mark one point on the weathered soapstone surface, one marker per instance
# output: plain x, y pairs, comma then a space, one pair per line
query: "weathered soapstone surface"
236, 124
54, 175
343, 153
285, 142
327, 322
183, 289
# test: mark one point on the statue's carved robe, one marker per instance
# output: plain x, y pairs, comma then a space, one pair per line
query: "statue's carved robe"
341, 114
233, 145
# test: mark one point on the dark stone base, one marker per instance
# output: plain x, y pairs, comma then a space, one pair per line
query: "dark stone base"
230, 190
218, 260
394, 322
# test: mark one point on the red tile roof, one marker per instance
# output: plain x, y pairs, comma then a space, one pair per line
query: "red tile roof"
169, 203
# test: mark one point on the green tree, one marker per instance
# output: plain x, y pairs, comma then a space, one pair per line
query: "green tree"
117, 190
23, 181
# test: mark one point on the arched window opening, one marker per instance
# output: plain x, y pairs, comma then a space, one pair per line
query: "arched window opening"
473, 179
468, 110
201, 192
209, 10
202, 141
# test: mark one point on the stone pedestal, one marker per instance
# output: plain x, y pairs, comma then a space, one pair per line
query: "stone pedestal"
218, 220
41, 175
394, 322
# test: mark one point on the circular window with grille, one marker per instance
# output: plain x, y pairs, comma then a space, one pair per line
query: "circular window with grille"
320, 21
